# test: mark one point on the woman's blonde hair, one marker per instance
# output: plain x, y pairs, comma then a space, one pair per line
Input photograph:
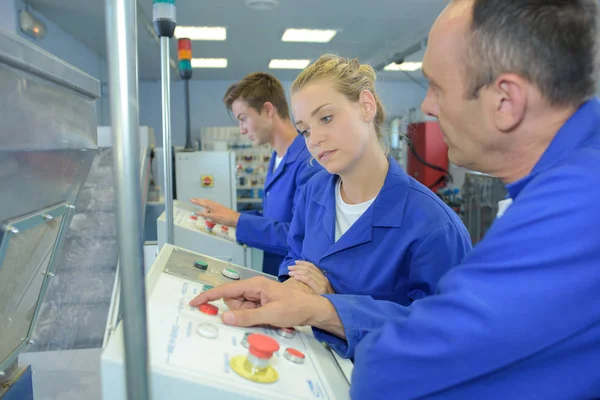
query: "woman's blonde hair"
349, 77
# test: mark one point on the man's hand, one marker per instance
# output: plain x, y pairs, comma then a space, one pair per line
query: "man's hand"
312, 276
261, 301
217, 212
297, 285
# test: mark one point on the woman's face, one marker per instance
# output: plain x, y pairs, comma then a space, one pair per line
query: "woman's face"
336, 130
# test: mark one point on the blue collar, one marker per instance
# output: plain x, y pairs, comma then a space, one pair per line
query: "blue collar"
578, 129
394, 192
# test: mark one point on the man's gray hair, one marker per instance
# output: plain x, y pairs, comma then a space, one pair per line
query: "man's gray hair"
551, 43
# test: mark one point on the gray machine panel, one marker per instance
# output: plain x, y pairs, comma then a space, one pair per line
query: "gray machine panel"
191, 167
26, 253
47, 145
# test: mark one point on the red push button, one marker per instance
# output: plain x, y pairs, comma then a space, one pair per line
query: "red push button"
210, 224
209, 309
193, 218
224, 228
287, 333
294, 355
262, 346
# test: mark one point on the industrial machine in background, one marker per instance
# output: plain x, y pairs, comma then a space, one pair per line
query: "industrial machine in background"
47, 147
480, 196
417, 142
427, 159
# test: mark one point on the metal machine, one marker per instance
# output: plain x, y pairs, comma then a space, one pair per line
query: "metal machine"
194, 355
192, 232
47, 146
208, 175
427, 159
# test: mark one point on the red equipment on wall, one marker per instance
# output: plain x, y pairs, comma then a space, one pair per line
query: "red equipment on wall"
428, 142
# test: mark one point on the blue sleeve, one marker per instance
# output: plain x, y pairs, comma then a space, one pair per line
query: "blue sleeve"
434, 256
295, 237
268, 234
251, 212
262, 233
527, 289
359, 316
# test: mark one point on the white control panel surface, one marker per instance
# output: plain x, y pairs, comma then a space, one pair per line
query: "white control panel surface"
187, 216
191, 232
191, 349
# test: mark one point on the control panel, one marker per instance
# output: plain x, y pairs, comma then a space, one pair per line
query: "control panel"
193, 220
194, 355
192, 231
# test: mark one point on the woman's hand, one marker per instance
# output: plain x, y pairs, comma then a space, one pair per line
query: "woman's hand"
312, 276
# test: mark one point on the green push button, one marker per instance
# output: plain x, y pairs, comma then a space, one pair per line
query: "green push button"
208, 287
231, 273
200, 265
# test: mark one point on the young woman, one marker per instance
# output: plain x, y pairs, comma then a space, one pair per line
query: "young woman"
363, 226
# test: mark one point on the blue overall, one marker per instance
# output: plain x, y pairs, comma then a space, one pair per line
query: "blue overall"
520, 317
268, 231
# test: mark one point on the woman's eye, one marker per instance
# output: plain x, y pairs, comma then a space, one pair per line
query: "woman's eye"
305, 133
326, 119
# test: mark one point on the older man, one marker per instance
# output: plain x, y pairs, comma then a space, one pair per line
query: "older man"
512, 84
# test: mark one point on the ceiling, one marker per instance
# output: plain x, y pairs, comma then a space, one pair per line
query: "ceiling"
373, 31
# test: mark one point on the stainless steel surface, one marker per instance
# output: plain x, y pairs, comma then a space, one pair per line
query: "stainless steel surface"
46, 136
25, 268
47, 145
24, 55
181, 263
74, 311
167, 147
121, 34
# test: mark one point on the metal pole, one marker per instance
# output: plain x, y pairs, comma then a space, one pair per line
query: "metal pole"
167, 151
121, 36
188, 127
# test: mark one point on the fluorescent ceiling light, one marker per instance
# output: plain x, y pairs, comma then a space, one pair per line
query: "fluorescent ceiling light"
308, 35
405, 66
201, 32
209, 63
288, 64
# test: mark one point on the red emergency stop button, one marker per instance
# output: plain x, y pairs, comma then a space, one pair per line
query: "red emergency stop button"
262, 346
209, 309
207, 181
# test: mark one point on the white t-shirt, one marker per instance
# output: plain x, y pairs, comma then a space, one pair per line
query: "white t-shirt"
347, 214
277, 162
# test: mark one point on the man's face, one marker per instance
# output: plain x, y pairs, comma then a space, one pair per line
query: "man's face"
257, 126
468, 135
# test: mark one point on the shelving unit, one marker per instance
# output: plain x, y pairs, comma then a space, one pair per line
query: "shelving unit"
251, 163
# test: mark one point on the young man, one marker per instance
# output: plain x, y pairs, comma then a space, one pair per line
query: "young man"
512, 84
258, 103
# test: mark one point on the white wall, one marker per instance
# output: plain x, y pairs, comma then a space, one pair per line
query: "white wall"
206, 108
67, 48
8, 20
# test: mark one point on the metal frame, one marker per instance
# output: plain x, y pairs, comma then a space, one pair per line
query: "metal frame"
167, 147
24, 55
121, 38
15, 227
